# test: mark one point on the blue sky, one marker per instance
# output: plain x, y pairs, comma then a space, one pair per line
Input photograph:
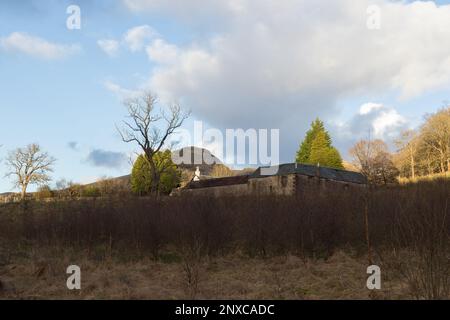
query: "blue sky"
235, 64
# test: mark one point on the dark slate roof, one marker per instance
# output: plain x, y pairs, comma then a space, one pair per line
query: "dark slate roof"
310, 170
218, 182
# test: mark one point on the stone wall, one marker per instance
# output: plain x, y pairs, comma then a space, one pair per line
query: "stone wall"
276, 185
286, 185
232, 190
315, 184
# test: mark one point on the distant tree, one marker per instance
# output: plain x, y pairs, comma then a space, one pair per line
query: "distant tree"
113, 186
407, 145
150, 130
141, 177
317, 148
29, 165
385, 170
304, 153
44, 192
372, 158
74, 190
91, 191
435, 138
62, 184
323, 154
107, 186
68, 189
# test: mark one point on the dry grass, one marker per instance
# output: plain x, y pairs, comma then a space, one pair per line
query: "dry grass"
308, 247
430, 177
39, 275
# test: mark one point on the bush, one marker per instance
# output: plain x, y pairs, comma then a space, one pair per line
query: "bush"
91, 191
141, 175
44, 192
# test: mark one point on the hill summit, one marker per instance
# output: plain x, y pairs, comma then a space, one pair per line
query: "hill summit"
189, 158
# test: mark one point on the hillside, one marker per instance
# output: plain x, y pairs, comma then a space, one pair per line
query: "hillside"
210, 166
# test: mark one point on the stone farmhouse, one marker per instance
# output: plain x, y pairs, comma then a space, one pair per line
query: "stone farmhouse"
291, 179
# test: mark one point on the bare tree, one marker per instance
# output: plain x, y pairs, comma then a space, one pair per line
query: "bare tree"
372, 158
29, 165
408, 144
435, 135
151, 129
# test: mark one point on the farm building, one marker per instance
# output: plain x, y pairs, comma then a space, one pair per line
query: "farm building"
290, 179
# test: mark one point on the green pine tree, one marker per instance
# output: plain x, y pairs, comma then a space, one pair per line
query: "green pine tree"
317, 148
334, 159
141, 177
304, 152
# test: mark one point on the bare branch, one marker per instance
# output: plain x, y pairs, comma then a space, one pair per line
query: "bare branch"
150, 130
29, 165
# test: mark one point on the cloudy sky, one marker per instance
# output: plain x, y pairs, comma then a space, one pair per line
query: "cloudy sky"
234, 63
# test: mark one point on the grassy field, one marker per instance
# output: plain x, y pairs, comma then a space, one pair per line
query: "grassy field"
41, 275
306, 247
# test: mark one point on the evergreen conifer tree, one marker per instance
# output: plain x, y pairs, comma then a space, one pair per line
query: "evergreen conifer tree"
317, 148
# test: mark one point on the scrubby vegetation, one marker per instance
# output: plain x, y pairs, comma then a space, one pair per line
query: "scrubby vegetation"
409, 233
141, 175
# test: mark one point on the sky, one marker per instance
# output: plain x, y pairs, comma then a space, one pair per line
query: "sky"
273, 64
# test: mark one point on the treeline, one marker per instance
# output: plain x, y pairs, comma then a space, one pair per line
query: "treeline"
104, 187
421, 152
426, 151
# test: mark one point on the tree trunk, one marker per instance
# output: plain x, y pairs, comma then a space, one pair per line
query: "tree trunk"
430, 170
23, 194
156, 176
442, 161
413, 169
155, 183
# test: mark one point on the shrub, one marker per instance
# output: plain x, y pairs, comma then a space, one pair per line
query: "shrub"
141, 175
44, 192
91, 191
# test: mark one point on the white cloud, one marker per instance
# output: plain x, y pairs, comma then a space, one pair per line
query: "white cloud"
279, 64
374, 120
109, 46
37, 47
367, 108
120, 92
185, 8
136, 37
370, 121
162, 52
280, 51
388, 123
